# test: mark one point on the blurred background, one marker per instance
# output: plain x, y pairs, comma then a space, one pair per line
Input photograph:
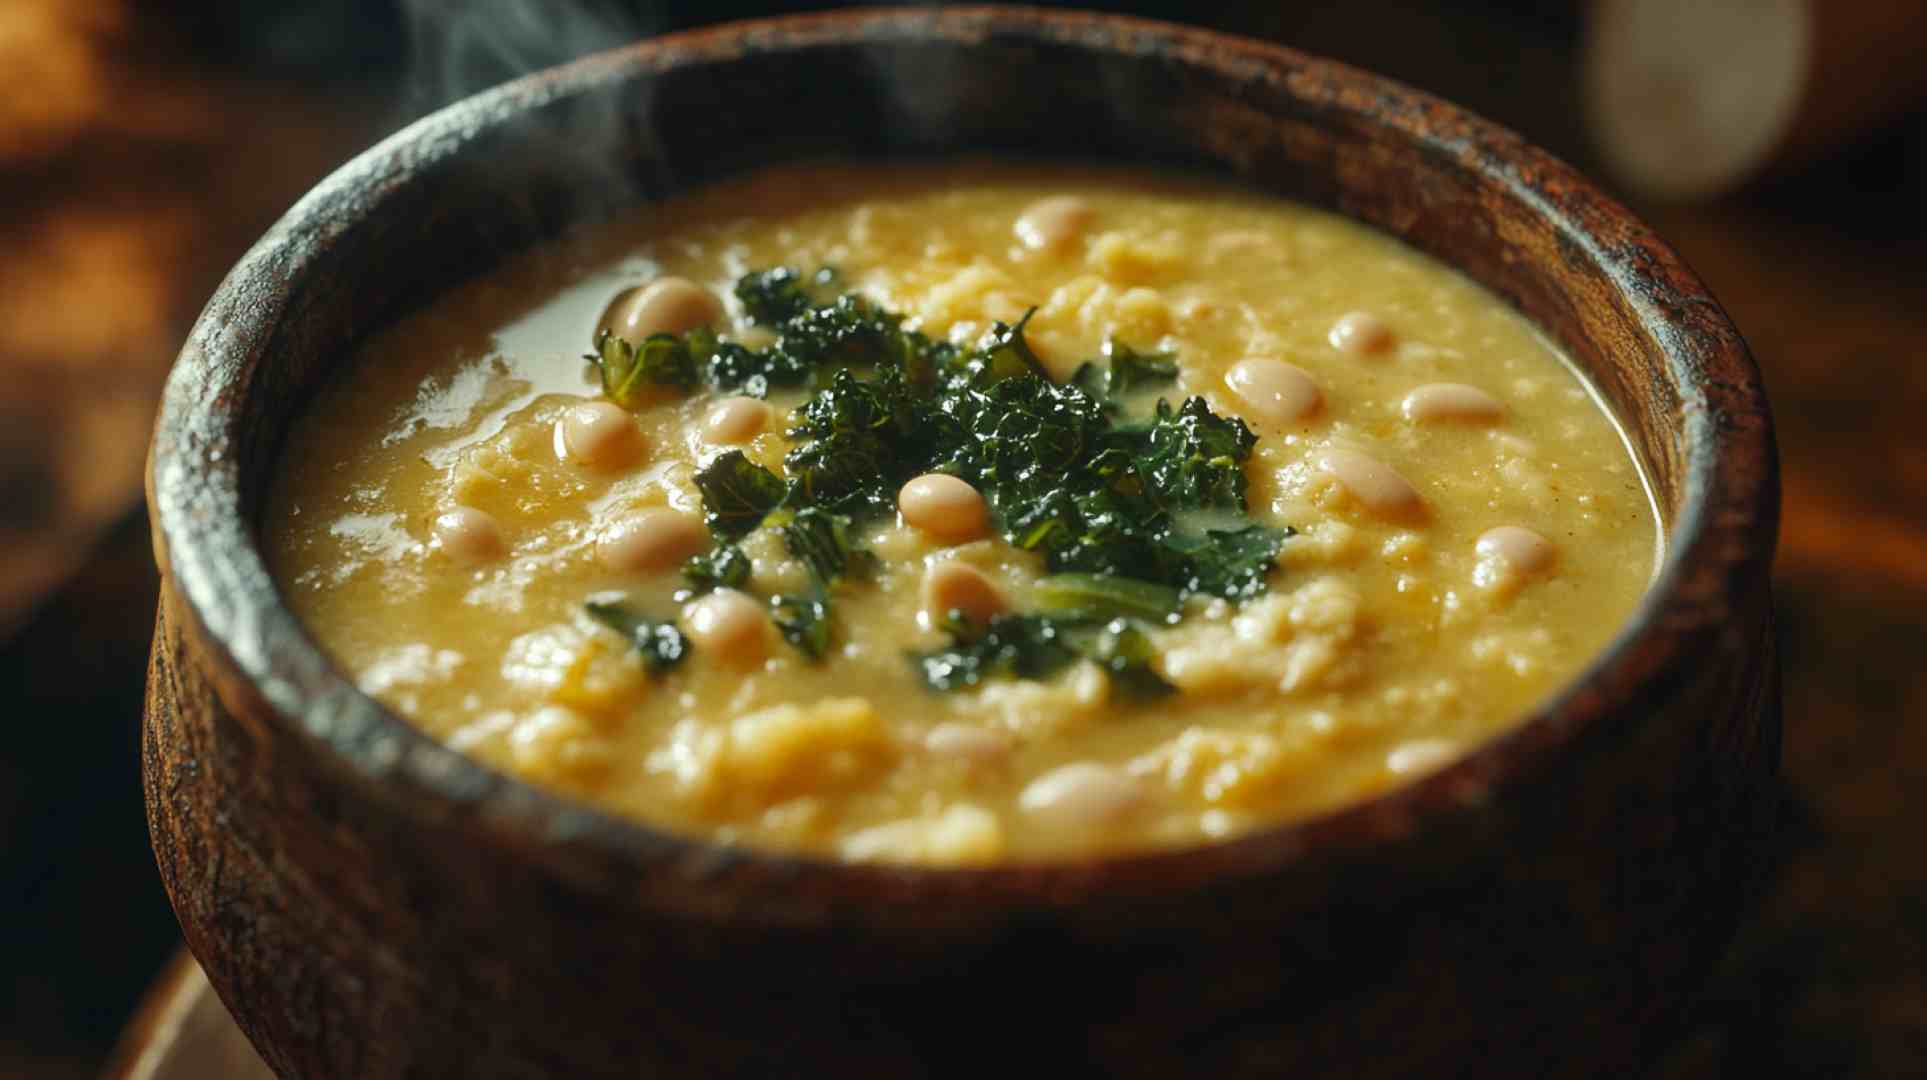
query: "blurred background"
1781, 145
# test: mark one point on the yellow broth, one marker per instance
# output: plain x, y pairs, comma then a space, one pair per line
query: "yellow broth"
1391, 639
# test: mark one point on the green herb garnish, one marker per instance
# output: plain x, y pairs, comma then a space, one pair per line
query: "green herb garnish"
774, 296
1131, 517
660, 644
628, 369
1011, 646
738, 493
852, 434
1037, 646
1126, 371
1124, 649
804, 619
1232, 563
1090, 595
721, 567
821, 539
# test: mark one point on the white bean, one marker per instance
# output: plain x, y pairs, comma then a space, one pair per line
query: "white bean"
1080, 795
1420, 756
736, 420
601, 434
1274, 391
1451, 403
1054, 222
669, 305
1509, 553
966, 742
1360, 333
947, 508
470, 536
955, 586
652, 541
729, 625
1376, 486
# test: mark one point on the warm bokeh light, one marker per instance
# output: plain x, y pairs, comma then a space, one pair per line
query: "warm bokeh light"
129, 179
85, 280
53, 81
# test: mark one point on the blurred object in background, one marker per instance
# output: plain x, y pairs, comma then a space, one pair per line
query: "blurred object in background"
140, 153
132, 172
52, 85
1689, 100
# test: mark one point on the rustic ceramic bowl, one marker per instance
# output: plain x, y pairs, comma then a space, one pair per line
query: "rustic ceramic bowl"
371, 904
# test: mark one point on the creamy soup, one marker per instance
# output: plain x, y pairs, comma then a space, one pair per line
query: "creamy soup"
966, 512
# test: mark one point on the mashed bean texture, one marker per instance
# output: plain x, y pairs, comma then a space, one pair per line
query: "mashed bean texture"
1470, 528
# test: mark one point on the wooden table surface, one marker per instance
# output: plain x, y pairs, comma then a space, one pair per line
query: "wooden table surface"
183, 1032
108, 246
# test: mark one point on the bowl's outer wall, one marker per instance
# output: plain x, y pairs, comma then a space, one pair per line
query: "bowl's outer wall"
370, 904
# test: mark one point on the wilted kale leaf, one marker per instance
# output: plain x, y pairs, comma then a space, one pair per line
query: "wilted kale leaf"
738, 493
853, 438
724, 566
1096, 596
660, 644
804, 619
1128, 370
1193, 459
1232, 563
1011, 646
821, 539
1037, 646
1112, 506
629, 369
780, 293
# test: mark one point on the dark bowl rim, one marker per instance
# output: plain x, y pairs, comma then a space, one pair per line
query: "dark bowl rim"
1718, 544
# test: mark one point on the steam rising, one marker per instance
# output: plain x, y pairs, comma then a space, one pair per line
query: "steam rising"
457, 47
605, 143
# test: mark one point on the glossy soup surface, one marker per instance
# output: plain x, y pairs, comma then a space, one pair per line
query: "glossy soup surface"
1470, 527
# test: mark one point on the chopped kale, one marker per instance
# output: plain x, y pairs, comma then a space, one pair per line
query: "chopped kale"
1132, 370
774, 296
1061, 477
1036, 646
721, 567
815, 342
816, 334
1011, 646
660, 644
1126, 652
858, 441
1127, 370
1004, 354
848, 333
1192, 458
738, 493
1094, 596
1118, 510
1232, 563
1093, 380
804, 619
628, 369
733, 367
821, 539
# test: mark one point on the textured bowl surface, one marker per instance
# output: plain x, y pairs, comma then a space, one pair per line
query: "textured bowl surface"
371, 904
